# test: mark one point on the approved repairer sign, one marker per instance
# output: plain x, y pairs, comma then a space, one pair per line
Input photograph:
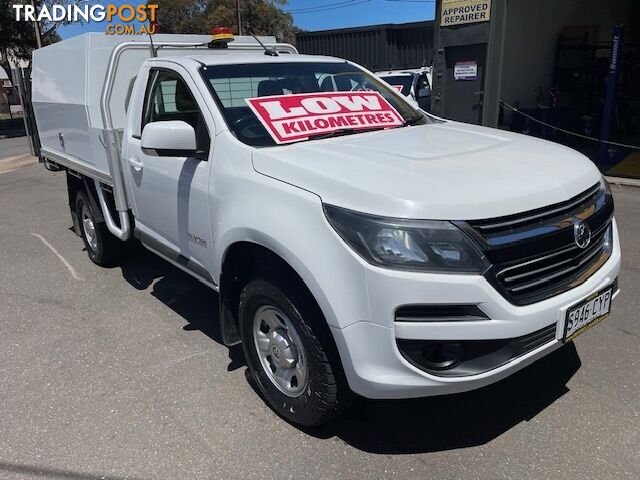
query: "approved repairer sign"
458, 12
290, 118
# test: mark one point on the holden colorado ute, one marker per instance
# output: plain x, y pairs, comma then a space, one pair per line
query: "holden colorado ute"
358, 245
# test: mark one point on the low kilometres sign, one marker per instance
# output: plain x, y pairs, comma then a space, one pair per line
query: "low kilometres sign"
290, 118
458, 12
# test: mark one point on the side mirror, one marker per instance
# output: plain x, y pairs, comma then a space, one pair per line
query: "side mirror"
174, 138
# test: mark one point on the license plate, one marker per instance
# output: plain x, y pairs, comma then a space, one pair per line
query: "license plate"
587, 313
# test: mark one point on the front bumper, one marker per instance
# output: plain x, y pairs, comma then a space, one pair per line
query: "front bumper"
374, 366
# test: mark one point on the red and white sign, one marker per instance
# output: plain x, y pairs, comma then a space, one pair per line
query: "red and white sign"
290, 118
397, 88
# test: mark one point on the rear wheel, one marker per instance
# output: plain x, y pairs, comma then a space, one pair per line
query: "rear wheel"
290, 354
103, 248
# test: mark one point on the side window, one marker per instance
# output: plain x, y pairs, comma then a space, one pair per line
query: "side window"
168, 98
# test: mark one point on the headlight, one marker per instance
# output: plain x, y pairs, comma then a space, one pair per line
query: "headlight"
426, 245
604, 186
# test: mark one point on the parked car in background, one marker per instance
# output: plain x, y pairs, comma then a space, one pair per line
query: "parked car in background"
414, 84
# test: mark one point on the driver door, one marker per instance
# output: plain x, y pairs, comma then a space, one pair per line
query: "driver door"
170, 191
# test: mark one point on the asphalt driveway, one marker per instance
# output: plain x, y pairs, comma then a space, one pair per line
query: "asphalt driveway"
13, 147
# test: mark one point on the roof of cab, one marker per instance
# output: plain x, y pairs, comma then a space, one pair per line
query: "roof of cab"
229, 57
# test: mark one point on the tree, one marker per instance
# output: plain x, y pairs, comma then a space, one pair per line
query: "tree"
261, 17
17, 38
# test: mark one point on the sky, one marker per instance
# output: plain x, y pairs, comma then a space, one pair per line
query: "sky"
327, 14
321, 14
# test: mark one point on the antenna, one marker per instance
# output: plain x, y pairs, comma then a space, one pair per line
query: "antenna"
154, 52
267, 51
153, 24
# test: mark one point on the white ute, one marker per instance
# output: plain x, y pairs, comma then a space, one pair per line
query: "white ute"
358, 245
414, 84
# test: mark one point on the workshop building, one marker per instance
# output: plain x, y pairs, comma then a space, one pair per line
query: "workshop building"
546, 68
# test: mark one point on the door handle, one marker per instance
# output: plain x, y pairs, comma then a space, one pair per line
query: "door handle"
136, 164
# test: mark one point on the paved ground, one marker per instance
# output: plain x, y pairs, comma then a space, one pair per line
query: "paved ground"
15, 163
119, 373
13, 147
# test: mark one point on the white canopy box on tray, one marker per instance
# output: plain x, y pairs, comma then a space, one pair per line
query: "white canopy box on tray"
69, 80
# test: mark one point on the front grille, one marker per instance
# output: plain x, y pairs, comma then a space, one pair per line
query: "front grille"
534, 255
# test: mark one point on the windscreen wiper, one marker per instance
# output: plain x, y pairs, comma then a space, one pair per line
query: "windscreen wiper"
412, 121
342, 132
350, 131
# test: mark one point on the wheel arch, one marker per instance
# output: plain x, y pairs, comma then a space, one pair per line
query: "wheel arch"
247, 258
78, 183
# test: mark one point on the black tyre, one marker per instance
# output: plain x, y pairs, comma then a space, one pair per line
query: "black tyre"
290, 353
103, 248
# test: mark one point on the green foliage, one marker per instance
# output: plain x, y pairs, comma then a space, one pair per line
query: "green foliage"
262, 17
17, 38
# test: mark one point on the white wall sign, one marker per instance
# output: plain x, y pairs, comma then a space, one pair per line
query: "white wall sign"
465, 70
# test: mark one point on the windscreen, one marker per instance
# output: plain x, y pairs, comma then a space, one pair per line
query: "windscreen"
234, 87
402, 82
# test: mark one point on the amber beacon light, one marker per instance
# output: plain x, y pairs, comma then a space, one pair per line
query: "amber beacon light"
220, 37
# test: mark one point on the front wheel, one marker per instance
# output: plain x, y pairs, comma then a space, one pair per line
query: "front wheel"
290, 355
